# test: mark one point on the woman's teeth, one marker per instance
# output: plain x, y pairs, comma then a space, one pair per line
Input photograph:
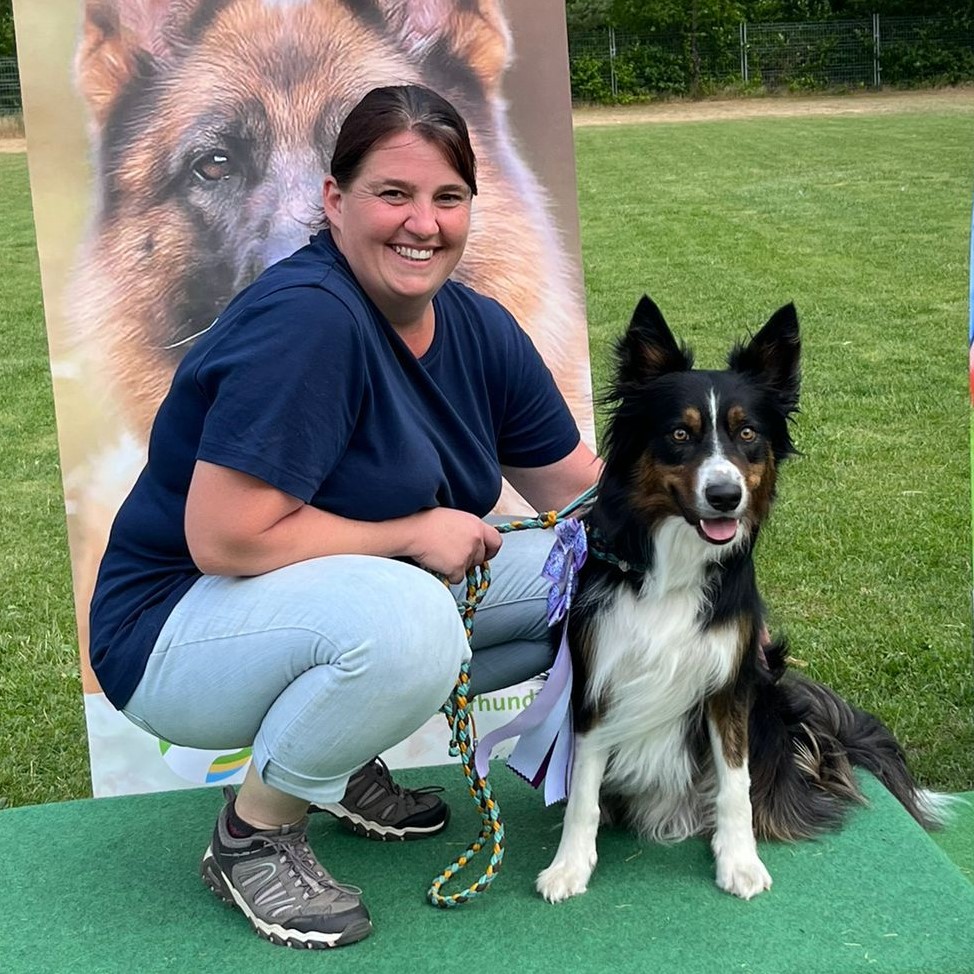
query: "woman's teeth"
412, 253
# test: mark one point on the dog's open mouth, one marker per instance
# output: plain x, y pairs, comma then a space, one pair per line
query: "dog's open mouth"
718, 530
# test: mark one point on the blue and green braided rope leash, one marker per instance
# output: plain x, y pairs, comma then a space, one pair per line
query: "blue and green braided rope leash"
458, 715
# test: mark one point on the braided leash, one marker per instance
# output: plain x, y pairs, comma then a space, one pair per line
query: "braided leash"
459, 716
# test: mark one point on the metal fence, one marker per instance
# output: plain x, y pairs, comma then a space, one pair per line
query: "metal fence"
10, 102
608, 65
812, 55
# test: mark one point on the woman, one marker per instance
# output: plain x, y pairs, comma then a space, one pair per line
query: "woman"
335, 438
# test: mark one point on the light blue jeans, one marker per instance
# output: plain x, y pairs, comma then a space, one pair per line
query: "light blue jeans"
324, 664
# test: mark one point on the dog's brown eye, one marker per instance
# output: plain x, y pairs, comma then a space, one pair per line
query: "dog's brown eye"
747, 434
680, 435
213, 166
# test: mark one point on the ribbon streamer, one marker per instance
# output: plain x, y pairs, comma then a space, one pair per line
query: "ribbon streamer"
546, 742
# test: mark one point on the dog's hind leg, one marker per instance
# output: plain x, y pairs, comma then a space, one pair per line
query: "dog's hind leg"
569, 872
739, 869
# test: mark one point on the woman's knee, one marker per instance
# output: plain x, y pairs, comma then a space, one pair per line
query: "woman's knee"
431, 640
376, 606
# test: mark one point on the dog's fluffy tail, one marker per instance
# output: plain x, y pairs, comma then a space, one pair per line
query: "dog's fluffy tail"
804, 742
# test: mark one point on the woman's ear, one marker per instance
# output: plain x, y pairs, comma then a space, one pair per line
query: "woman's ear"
332, 201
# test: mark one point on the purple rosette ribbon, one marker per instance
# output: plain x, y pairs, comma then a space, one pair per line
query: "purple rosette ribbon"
546, 743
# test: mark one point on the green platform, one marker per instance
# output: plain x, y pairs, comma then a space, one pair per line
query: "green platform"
111, 886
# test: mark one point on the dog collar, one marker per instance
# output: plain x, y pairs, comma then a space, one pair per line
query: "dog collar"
598, 548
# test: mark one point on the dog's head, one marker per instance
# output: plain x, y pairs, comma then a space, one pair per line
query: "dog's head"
701, 447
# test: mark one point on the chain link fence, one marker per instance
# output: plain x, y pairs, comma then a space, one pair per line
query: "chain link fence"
903, 51
10, 102
812, 55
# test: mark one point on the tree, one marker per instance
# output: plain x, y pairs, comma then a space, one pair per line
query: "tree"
8, 44
639, 16
585, 15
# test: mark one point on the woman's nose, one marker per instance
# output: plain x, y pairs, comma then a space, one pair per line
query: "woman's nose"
422, 219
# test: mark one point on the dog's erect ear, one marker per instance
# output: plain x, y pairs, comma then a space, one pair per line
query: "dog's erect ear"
772, 357
475, 32
122, 40
648, 349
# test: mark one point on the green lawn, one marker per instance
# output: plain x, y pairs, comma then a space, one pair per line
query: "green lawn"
863, 222
43, 754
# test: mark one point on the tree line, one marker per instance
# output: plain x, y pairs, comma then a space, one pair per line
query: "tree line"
696, 47
647, 16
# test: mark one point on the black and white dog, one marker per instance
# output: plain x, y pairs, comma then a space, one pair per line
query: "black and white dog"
685, 723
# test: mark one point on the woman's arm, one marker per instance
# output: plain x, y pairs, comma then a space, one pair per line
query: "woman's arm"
552, 487
239, 525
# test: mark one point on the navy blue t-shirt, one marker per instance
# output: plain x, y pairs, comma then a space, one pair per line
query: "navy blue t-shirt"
302, 383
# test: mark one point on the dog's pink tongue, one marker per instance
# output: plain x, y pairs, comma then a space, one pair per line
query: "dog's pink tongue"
719, 528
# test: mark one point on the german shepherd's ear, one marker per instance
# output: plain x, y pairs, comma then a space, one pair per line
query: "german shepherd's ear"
121, 40
475, 32
772, 357
648, 349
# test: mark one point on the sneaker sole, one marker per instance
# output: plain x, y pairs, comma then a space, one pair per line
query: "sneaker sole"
217, 881
381, 833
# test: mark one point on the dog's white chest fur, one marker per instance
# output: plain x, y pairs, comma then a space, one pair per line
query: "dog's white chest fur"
652, 665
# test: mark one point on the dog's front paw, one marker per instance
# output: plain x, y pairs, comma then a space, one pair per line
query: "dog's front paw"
562, 880
744, 877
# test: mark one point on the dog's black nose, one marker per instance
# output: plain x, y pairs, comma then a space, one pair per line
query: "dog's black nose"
723, 497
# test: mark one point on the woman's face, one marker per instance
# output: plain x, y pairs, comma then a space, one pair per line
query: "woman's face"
402, 223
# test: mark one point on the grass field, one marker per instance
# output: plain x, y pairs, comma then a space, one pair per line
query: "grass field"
862, 221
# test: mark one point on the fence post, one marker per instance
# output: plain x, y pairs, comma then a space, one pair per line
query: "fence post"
613, 82
744, 50
877, 75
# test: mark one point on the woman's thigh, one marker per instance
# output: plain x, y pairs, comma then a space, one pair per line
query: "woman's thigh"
374, 626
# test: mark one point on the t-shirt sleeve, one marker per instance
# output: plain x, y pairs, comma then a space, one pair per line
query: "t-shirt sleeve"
537, 427
284, 384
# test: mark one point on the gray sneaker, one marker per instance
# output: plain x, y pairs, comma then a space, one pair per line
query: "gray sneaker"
274, 878
375, 806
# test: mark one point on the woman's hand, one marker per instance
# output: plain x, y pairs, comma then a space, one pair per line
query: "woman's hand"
451, 542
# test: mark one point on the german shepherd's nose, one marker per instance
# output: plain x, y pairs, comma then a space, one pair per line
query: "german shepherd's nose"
723, 497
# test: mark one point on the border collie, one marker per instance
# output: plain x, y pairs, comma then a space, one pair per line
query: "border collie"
686, 722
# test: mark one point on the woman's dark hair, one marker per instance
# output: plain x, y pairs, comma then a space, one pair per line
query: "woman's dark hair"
402, 108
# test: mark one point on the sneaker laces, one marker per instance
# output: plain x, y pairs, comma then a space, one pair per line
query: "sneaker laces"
299, 856
385, 775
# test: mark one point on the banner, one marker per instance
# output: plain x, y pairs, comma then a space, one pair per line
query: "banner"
133, 107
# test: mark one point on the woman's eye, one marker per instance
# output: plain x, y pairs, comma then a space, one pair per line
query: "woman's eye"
392, 194
213, 166
450, 199
748, 434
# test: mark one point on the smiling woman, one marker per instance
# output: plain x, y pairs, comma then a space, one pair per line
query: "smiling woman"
249, 554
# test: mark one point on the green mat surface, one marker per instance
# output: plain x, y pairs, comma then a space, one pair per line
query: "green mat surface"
110, 885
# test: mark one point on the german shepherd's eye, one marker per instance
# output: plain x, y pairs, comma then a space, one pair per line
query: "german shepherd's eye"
680, 435
213, 166
747, 433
